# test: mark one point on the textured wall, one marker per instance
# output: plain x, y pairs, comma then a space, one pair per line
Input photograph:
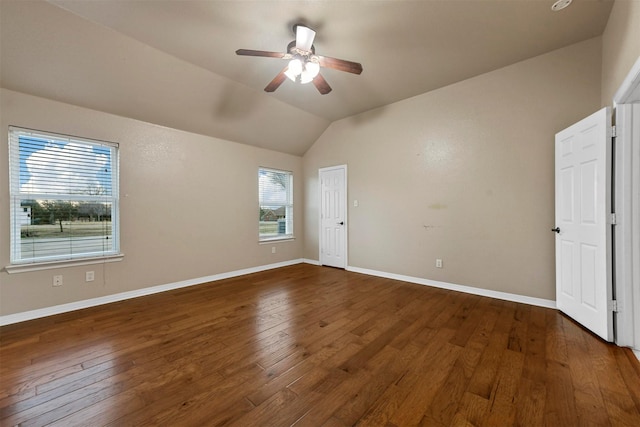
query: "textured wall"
620, 46
464, 173
189, 205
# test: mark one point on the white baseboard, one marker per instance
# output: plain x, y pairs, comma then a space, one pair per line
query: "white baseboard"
64, 308
540, 302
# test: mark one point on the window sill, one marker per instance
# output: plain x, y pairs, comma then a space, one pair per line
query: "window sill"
275, 239
35, 266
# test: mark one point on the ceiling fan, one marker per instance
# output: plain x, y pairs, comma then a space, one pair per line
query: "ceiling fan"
304, 65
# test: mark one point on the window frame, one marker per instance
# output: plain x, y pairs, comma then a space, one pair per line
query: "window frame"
289, 219
18, 263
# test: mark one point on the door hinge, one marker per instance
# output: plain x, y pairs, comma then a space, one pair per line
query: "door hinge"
613, 220
613, 306
614, 131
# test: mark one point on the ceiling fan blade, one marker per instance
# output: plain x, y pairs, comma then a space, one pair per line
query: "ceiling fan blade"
321, 84
277, 81
304, 37
340, 64
249, 52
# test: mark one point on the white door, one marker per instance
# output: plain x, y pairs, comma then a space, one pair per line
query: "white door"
583, 205
333, 204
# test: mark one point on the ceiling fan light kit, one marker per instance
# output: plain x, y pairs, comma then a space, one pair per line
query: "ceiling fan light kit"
303, 71
304, 65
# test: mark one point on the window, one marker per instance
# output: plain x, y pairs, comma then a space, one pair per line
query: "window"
275, 189
64, 197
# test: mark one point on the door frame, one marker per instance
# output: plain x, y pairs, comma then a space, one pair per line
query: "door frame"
345, 200
627, 209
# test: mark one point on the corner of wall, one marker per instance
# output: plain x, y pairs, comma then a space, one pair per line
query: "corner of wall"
620, 47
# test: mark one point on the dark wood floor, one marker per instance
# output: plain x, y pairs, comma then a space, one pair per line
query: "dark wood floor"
313, 346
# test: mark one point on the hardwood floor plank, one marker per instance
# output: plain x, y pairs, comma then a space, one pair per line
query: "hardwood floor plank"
383, 408
518, 332
283, 408
312, 346
630, 371
502, 408
471, 410
372, 348
388, 404
472, 321
384, 370
588, 396
619, 403
340, 387
444, 405
529, 401
484, 377
555, 340
308, 363
422, 393
560, 405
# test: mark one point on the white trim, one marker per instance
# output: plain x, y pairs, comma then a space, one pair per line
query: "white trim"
540, 302
35, 266
276, 239
623, 270
64, 308
628, 84
627, 267
636, 353
289, 224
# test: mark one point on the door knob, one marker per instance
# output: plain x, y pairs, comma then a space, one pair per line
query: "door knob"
557, 230
341, 223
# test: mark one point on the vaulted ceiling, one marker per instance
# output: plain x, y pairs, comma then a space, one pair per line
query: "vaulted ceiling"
173, 63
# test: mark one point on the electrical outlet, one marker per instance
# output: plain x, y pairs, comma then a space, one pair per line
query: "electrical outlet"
89, 276
273, 249
57, 280
438, 263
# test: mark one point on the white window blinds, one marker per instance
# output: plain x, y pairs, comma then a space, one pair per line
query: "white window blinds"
64, 197
275, 189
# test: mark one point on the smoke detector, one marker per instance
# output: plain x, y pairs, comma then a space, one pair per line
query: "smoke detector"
560, 4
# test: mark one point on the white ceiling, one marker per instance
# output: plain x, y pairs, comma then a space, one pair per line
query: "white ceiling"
406, 48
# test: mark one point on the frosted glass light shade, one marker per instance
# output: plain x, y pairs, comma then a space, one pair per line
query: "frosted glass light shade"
295, 66
312, 68
304, 38
294, 69
305, 77
307, 71
290, 75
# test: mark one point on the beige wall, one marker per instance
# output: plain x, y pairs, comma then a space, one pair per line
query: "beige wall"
188, 205
463, 173
620, 46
